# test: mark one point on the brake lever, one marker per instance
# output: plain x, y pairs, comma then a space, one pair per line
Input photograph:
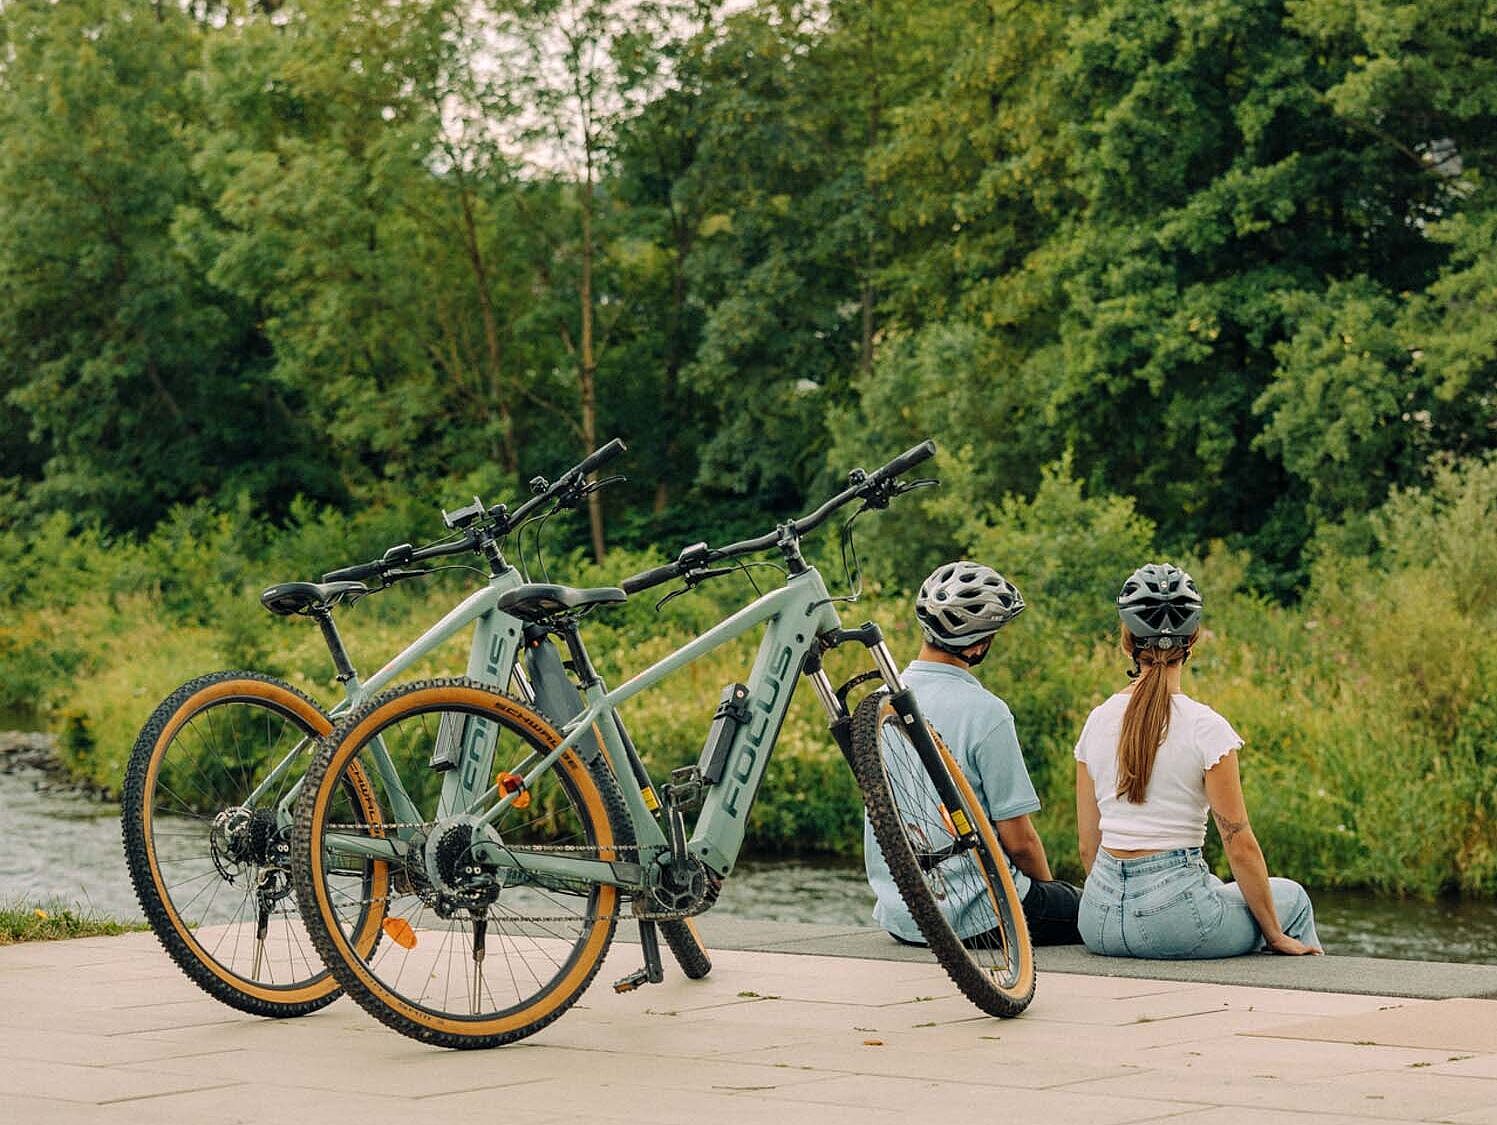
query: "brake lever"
390, 577
910, 486
593, 486
694, 578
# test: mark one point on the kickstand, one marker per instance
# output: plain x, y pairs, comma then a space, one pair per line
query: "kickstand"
654, 971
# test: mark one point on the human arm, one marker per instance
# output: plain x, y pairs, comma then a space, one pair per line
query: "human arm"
1229, 810
1024, 847
1088, 818
1008, 796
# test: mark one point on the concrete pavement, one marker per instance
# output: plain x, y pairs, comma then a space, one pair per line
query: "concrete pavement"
106, 1030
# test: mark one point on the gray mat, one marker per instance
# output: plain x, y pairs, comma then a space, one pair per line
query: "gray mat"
1429, 980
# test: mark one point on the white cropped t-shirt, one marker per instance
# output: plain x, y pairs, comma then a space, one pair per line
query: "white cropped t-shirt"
1173, 812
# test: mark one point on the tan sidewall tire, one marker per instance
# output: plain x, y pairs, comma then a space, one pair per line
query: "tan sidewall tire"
371, 993
188, 952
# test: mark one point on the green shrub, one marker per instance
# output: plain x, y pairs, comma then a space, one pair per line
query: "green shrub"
1368, 710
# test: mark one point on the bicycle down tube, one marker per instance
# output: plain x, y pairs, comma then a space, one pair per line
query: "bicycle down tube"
794, 616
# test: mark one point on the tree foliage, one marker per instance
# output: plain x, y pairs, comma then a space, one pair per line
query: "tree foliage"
1230, 259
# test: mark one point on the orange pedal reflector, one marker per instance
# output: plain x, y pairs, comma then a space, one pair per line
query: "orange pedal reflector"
399, 931
514, 783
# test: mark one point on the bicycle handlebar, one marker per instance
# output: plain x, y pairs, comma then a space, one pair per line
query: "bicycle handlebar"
507, 521
907, 460
698, 557
599, 457
355, 573
648, 578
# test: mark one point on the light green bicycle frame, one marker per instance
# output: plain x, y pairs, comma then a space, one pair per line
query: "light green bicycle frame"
491, 660
794, 616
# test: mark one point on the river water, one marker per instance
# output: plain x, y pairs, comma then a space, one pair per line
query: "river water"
64, 849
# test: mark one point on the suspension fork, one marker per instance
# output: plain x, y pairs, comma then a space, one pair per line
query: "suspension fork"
901, 699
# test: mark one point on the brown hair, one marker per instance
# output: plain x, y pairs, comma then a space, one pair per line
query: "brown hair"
1146, 722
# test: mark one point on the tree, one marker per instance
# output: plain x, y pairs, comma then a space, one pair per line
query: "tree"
138, 382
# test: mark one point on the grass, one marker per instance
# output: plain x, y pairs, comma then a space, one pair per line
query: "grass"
1368, 708
27, 922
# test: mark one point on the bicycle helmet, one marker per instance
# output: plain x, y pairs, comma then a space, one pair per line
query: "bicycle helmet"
963, 603
1160, 606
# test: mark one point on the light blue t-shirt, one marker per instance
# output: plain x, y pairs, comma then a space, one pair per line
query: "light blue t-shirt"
978, 729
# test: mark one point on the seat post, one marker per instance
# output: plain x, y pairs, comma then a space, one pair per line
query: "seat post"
324, 618
582, 664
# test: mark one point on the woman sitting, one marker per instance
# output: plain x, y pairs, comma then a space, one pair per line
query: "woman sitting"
1150, 761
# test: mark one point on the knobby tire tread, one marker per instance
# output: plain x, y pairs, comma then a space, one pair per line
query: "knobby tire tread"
309, 895
687, 948
867, 761
137, 858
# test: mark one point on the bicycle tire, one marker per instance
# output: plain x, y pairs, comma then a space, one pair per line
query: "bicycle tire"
898, 809
576, 800
169, 839
687, 947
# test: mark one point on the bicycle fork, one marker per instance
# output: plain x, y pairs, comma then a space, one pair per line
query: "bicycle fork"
901, 699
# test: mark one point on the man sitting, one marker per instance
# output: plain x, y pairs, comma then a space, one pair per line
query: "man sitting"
961, 607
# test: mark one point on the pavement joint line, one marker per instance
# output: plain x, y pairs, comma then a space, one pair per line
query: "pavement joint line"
227, 1020
479, 1089
168, 1093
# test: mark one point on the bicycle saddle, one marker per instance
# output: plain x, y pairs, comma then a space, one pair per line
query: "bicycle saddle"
287, 598
537, 600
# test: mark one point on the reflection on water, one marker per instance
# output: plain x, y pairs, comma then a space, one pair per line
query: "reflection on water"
65, 848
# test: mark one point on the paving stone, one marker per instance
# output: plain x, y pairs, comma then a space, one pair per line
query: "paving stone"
1376, 1094
922, 1098
1459, 1025
107, 1030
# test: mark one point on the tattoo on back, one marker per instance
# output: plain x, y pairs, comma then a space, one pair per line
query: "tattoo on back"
1228, 828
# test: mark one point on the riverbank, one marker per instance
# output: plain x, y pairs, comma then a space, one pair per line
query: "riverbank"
106, 1030
65, 850
1367, 706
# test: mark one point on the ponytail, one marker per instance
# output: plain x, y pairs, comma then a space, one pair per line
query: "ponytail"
1146, 722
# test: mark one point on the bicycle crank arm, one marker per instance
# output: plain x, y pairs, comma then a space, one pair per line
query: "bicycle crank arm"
654, 971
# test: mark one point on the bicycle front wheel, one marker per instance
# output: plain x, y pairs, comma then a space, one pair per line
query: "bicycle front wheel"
944, 884
207, 842
476, 954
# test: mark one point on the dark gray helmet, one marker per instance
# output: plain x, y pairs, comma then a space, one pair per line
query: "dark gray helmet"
963, 603
1160, 605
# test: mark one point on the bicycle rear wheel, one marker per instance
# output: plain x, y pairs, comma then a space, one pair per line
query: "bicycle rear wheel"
208, 862
992, 962
688, 948
475, 955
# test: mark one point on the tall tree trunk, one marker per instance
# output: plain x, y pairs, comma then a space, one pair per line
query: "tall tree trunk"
495, 399
871, 137
673, 353
587, 375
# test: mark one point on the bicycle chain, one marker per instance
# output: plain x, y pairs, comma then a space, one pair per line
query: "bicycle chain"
507, 847
642, 916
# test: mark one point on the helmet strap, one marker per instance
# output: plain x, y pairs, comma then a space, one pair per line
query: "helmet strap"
961, 654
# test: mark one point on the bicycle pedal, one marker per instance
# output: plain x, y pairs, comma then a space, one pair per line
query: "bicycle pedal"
632, 981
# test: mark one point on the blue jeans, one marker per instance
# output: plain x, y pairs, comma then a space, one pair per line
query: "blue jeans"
1170, 906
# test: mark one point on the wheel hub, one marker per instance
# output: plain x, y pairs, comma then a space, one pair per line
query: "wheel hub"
462, 881
246, 838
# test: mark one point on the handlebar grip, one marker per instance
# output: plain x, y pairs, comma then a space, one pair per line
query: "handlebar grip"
654, 577
354, 573
908, 460
600, 457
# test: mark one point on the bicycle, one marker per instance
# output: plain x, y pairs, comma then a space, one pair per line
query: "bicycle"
538, 870
214, 774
